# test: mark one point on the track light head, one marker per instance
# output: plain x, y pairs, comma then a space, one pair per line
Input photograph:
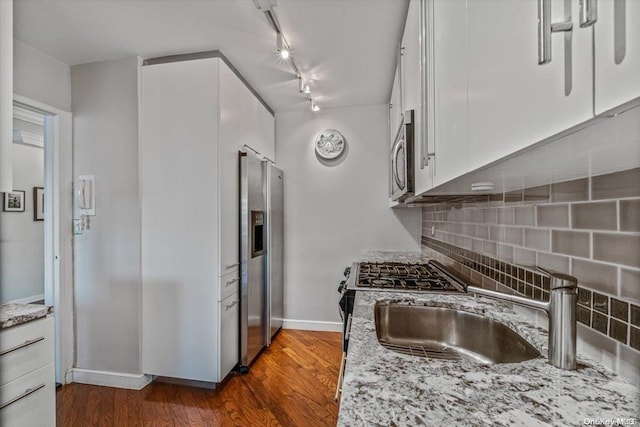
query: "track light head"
314, 107
283, 48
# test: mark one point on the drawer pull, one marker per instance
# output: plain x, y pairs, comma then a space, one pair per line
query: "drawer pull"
229, 306
26, 393
231, 282
230, 266
23, 345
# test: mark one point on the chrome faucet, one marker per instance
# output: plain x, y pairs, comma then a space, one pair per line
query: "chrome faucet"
561, 310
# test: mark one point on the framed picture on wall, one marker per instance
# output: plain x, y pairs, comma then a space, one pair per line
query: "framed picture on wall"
13, 201
38, 204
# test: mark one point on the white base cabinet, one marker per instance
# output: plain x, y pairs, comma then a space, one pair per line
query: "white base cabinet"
27, 384
195, 117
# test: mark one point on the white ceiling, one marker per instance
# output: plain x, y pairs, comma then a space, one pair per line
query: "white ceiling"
345, 47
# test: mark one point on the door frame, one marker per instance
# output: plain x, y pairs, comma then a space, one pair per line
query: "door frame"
58, 240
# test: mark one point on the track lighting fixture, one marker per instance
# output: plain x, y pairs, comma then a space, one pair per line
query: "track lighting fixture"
283, 48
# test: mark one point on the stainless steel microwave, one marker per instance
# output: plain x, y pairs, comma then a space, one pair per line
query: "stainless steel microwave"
401, 170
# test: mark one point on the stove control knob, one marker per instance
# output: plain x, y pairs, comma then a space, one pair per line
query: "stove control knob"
347, 272
341, 286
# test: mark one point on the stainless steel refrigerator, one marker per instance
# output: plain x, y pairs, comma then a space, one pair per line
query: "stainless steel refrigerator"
261, 255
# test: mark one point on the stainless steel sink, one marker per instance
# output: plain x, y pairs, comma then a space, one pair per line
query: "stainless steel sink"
445, 333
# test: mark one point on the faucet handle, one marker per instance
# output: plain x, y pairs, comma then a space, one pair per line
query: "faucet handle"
559, 280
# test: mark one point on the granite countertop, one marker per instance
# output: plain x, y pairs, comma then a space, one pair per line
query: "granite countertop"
15, 314
384, 388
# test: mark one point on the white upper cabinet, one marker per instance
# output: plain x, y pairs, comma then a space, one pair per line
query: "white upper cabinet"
448, 83
617, 53
513, 101
410, 59
251, 111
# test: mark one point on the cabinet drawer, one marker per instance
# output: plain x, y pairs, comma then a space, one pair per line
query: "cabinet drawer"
30, 400
229, 334
26, 347
228, 284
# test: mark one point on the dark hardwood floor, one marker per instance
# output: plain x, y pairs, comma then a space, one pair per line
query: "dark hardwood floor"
291, 384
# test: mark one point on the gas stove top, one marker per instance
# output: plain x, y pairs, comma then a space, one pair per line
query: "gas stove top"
403, 277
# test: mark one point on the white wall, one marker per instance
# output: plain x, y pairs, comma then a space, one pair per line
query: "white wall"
107, 256
22, 242
41, 77
333, 210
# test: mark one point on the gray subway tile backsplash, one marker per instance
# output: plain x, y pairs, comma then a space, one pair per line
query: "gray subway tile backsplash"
630, 215
619, 248
553, 216
630, 284
616, 185
576, 243
588, 227
594, 216
524, 215
569, 191
596, 275
535, 238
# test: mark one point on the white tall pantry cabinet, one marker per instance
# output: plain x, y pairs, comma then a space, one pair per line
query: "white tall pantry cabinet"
196, 114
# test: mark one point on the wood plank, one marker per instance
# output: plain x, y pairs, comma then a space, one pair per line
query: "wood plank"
291, 384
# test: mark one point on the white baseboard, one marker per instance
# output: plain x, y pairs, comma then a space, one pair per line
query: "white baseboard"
28, 300
312, 325
110, 379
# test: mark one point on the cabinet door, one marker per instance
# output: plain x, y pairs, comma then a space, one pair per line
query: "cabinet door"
179, 181
35, 399
26, 347
228, 169
424, 117
229, 334
512, 101
266, 124
248, 131
617, 53
450, 145
410, 59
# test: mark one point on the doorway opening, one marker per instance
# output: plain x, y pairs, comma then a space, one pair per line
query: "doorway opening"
36, 259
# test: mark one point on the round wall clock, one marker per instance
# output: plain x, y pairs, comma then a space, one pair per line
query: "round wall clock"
329, 144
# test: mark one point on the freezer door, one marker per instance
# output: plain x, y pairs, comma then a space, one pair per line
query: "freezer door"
275, 251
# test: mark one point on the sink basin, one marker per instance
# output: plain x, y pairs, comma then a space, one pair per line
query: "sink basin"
445, 333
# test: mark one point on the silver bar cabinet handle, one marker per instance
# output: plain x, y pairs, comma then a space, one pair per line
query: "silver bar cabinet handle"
23, 345
26, 393
230, 266
228, 306
545, 28
231, 282
588, 13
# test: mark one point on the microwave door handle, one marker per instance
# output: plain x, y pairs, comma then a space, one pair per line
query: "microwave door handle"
394, 162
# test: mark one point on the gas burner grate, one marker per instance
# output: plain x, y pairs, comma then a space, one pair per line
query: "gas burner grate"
411, 277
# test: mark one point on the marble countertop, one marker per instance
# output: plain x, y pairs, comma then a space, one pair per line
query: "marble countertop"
384, 388
16, 314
